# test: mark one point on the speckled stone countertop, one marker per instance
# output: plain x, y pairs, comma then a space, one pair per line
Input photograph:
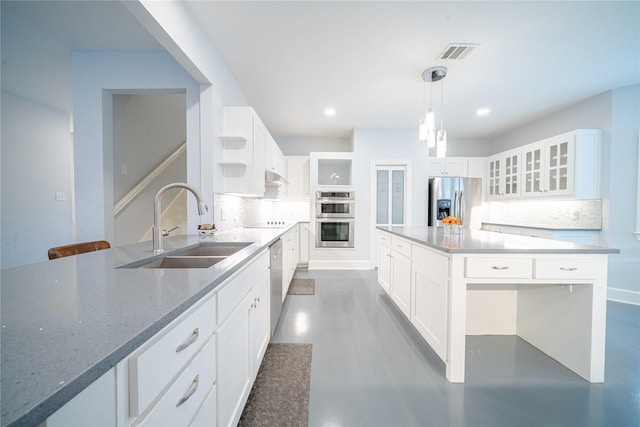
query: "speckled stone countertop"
478, 241
68, 321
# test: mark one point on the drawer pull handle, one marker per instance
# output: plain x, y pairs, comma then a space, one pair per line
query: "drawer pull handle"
192, 389
568, 268
193, 338
495, 267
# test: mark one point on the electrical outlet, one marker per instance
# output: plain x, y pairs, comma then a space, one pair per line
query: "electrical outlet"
554, 213
574, 214
60, 197
123, 169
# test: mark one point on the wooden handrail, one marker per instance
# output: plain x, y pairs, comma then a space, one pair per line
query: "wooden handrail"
139, 187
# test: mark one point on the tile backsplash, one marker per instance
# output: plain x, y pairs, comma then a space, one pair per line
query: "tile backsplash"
547, 213
233, 211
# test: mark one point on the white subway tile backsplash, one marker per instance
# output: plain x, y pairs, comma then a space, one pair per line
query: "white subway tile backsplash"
547, 213
233, 211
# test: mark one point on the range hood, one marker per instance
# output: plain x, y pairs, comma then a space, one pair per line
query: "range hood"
272, 179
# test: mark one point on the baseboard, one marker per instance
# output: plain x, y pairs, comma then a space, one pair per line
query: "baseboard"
339, 265
623, 295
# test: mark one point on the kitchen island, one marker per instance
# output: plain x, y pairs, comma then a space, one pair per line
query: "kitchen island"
550, 293
67, 323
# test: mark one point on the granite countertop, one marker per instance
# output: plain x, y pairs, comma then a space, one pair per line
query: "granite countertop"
478, 241
68, 321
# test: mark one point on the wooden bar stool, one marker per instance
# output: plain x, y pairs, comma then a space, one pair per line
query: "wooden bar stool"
77, 248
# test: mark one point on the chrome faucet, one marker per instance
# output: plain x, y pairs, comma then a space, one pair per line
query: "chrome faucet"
157, 227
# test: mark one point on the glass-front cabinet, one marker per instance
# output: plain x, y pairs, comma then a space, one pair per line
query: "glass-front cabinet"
504, 175
549, 167
533, 175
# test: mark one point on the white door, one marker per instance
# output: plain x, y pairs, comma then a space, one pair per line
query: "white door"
391, 195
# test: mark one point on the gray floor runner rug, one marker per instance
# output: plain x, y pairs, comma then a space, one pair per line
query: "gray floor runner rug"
302, 287
280, 394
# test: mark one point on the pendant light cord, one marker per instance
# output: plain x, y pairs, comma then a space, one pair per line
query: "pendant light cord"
442, 104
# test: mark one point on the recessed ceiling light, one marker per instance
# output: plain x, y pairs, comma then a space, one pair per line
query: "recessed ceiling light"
483, 111
330, 112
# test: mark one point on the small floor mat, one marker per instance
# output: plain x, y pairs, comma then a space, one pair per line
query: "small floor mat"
280, 394
302, 287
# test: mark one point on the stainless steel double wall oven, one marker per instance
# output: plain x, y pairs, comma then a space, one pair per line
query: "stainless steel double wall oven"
335, 217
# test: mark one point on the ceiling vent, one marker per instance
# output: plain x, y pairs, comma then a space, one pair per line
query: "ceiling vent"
457, 51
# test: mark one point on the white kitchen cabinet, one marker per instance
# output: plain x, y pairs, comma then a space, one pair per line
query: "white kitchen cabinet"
274, 159
384, 261
94, 406
298, 177
563, 165
242, 341
475, 167
401, 274
503, 175
290, 257
450, 166
243, 140
429, 302
304, 243
394, 269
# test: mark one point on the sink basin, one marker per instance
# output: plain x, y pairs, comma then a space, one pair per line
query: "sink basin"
210, 249
202, 256
184, 262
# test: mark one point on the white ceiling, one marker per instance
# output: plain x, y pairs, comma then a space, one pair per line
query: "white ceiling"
365, 58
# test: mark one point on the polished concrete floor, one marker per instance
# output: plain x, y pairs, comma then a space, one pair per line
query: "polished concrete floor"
371, 368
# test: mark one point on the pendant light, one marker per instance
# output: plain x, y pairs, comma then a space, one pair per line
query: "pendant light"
427, 124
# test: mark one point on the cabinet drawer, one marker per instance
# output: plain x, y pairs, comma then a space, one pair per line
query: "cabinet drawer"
207, 414
566, 268
499, 268
153, 368
401, 246
239, 285
384, 239
180, 403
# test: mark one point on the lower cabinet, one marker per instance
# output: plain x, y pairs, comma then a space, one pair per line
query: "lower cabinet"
429, 308
290, 255
243, 340
304, 243
416, 279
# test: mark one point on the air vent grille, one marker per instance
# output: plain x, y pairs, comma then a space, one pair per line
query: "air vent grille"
457, 51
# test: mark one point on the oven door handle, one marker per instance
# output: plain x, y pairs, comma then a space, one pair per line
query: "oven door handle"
328, 200
347, 219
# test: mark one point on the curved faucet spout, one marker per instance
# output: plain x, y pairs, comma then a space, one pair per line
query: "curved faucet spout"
157, 207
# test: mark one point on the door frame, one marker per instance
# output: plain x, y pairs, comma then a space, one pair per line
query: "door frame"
373, 200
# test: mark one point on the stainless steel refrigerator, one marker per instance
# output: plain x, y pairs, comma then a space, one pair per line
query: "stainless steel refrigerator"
460, 197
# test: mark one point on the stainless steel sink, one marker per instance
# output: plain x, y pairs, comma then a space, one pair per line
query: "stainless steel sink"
202, 256
206, 250
184, 262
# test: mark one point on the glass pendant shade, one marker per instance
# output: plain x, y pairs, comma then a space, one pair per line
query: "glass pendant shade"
422, 130
430, 120
441, 143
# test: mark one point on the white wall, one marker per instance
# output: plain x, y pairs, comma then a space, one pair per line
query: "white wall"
617, 113
36, 151
96, 76
37, 162
302, 146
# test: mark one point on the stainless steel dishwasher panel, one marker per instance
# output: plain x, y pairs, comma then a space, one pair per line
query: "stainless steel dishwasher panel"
275, 266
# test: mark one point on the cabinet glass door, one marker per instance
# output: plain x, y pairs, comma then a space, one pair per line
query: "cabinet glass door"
558, 167
494, 178
511, 175
533, 171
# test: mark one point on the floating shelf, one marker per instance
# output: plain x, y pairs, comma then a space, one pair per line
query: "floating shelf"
233, 163
232, 138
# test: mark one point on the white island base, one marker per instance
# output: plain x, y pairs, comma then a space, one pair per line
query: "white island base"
564, 317
551, 294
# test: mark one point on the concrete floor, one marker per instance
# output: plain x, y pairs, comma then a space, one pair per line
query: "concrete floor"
371, 368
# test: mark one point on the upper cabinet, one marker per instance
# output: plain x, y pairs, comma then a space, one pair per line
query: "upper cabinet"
564, 165
274, 159
471, 167
503, 175
334, 169
298, 176
245, 145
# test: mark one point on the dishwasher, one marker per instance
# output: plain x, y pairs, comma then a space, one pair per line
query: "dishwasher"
275, 267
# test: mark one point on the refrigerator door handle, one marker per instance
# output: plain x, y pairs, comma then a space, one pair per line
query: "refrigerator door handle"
460, 208
455, 204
